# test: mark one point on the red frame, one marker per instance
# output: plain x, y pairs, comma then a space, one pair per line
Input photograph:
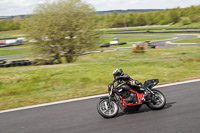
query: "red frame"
139, 96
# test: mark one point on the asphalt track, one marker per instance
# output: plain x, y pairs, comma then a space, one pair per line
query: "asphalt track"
162, 43
13, 56
180, 115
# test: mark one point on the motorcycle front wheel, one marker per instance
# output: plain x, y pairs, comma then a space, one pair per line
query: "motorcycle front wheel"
159, 101
107, 109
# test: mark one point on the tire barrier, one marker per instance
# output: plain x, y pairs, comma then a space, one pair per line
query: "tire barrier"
162, 29
108, 44
13, 63
105, 45
148, 31
25, 62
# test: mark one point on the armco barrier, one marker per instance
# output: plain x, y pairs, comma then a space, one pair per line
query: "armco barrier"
177, 31
13, 63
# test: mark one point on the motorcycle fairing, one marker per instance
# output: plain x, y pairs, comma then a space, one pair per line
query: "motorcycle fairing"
139, 96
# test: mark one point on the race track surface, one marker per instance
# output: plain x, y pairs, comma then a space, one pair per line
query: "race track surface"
162, 43
13, 56
180, 115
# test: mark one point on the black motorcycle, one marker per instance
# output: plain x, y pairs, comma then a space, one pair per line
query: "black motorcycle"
108, 106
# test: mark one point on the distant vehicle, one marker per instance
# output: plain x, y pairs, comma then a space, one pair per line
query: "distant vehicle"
11, 42
2, 43
115, 41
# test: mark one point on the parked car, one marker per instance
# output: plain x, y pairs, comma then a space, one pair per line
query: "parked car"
2, 43
12, 42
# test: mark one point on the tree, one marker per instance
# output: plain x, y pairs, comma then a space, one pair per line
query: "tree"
173, 16
65, 28
120, 21
6, 25
130, 19
185, 21
17, 19
140, 20
149, 18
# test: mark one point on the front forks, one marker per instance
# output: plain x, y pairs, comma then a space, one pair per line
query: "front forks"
150, 96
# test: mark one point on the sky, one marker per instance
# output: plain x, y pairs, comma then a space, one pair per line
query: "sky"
22, 7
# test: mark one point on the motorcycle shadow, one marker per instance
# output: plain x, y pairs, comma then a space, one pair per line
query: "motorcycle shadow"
143, 109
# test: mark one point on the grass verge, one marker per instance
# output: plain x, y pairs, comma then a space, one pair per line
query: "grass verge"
191, 26
193, 40
11, 33
14, 52
90, 75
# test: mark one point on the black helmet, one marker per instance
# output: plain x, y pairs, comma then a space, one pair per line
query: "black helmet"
117, 72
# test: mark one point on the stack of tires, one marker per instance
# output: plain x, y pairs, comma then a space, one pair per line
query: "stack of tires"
14, 63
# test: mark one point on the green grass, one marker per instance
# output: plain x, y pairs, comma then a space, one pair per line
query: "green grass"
17, 46
193, 40
90, 75
192, 25
5, 38
4, 35
11, 33
170, 27
14, 52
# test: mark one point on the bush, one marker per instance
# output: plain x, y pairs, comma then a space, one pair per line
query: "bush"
138, 49
185, 21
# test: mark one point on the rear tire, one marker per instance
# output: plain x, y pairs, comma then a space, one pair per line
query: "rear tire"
105, 110
161, 101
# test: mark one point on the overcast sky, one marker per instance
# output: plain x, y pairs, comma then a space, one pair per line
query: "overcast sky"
19, 7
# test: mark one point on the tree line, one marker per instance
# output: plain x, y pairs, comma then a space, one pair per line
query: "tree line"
14, 24
183, 16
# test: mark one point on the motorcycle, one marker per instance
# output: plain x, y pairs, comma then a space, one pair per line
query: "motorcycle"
108, 106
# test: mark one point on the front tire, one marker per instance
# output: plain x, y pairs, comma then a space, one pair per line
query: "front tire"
160, 101
107, 110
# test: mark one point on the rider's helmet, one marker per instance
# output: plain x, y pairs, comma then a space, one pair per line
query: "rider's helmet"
117, 72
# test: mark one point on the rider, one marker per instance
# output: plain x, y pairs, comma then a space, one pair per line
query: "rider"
124, 83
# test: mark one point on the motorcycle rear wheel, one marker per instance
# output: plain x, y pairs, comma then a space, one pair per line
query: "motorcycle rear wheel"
160, 101
107, 110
